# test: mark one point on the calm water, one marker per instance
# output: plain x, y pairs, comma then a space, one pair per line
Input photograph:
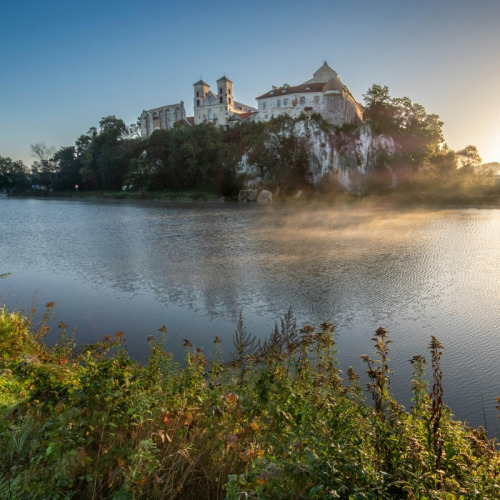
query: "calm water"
133, 267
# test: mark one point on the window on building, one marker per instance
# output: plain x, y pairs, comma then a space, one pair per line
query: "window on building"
220, 90
331, 100
263, 105
220, 99
285, 102
229, 91
229, 100
316, 98
302, 100
197, 93
197, 102
278, 103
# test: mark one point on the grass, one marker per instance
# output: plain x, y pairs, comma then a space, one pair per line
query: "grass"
279, 421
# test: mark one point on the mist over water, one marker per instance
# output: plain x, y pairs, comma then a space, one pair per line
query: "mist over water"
134, 266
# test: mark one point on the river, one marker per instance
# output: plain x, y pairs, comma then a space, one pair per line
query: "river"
134, 266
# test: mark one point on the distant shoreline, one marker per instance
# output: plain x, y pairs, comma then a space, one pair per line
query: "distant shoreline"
454, 200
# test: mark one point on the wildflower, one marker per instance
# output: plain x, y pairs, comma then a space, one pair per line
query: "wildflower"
254, 424
188, 418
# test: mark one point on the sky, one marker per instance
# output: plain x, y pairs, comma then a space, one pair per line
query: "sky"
66, 64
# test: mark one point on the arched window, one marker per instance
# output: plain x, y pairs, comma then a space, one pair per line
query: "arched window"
197, 102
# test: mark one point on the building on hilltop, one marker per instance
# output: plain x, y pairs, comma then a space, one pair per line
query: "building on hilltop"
218, 108
162, 118
324, 94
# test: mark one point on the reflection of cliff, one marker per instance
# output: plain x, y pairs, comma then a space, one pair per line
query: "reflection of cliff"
327, 265
218, 259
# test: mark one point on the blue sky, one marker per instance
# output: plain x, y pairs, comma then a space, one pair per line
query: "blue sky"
65, 65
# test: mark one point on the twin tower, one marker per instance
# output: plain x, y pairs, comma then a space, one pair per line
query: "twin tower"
217, 108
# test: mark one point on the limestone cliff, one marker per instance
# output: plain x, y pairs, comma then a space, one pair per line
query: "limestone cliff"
343, 156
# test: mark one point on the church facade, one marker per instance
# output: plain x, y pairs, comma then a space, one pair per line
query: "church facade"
218, 108
162, 118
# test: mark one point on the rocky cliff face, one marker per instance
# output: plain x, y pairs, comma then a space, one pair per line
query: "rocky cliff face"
346, 156
343, 156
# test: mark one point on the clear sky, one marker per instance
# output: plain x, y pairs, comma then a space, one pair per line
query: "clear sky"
66, 64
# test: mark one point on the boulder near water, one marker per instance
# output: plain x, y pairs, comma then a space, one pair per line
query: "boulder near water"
265, 196
247, 195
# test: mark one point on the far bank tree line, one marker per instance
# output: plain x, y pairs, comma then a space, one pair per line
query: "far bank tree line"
112, 157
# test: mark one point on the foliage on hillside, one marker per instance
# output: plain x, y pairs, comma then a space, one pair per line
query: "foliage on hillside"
279, 421
204, 157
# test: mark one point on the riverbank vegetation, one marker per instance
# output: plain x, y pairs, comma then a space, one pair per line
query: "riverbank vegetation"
279, 420
276, 155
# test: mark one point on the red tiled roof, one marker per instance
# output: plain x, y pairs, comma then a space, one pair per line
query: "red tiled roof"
298, 89
187, 121
246, 115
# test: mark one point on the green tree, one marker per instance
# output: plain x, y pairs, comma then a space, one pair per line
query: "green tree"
86, 155
69, 168
110, 159
105, 153
281, 154
13, 175
45, 170
380, 110
418, 134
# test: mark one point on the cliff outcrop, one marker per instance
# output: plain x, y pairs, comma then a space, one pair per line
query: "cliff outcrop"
336, 155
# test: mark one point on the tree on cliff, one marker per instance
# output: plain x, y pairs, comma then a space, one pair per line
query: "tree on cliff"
280, 153
418, 133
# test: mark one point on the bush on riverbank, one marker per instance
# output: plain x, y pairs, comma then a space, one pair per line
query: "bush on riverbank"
279, 421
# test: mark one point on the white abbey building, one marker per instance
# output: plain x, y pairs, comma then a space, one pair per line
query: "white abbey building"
324, 94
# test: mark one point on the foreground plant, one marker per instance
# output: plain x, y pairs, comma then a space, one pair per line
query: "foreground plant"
275, 422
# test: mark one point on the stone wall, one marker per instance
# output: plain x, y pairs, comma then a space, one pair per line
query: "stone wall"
162, 118
335, 106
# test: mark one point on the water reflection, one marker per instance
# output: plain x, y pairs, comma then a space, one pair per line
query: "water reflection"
135, 266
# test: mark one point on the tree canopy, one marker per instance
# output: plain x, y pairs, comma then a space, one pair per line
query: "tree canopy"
418, 133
